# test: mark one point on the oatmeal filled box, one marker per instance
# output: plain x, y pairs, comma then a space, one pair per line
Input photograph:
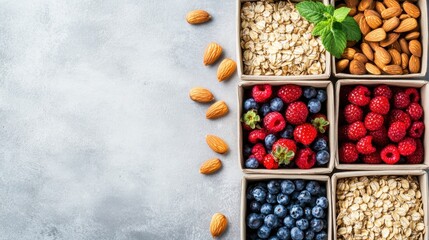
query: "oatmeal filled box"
394, 40
381, 125
284, 127
380, 205
275, 43
286, 207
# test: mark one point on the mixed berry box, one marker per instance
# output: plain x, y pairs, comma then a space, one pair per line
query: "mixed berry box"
289, 114
308, 195
374, 136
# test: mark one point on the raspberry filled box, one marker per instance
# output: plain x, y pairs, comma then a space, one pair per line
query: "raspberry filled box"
286, 127
381, 125
286, 207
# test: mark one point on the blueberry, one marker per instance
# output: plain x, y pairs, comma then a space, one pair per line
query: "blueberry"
269, 141
249, 193
321, 95
296, 212
283, 233
264, 232
271, 221
250, 104
299, 184
304, 196
271, 198
265, 109
280, 211
283, 199
266, 208
289, 222
322, 157
287, 187
309, 92
302, 224
296, 234
247, 150
273, 238
295, 195
320, 144
254, 220
309, 235
259, 194
322, 202
307, 213
255, 206
402, 160
276, 104
316, 225
288, 132
313, 187
251, 163
322, 236
314, 105
317, 212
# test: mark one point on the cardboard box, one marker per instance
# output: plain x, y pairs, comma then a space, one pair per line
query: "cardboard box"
330, 114
253, 178
423, 21
245, 77
423, 180
424, 91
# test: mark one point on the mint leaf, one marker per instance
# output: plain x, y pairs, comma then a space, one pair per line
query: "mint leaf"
321, 28
334, 41
312, 11
351, 28
330, 9
341, 13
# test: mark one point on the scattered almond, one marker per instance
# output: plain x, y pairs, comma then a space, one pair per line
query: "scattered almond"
212, 53
376, 35
211, 166
377, 62
373, 21
404, 60
392, 69
414, 64
356, 67
406, 25
217, 110
412, 36
391, 3
371, 68
415, 48
404, 16
396, 56
366, 49
226, 68
197, 17
358, 16
397, 46
353, 11
364, 4
391, 12
404, 46
411, 9
217, 144
218, 224
342, 65
390, 39
202, 95
379, 7
361, 57
391, 24
348, 53
364, 27
382, 55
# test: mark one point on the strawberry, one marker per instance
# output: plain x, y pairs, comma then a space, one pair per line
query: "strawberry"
383, 90
397, 115
270, 162
407, 146
356, 131
348, 153
401, 100
379, 137
397, 131
296, 113
305, 133
289, 93
257, 135
305, 158
274, 122
364, 145
262, 92
415, 111
353, 113
320, 122
373, 158
390, 154
413, 94
373, 121
258, 152
251, 119
417, 129
417, 156
360, 96
284, 150
380, 104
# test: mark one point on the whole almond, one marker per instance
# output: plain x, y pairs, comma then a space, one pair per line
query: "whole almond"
361, 57
376, 35
391, 24
391, 3
202, 95
225, 70
211, 166
373, 21
197, 17
391, 12
212, 53
414, 64
370, 12
357, 68
404, 46
396, 56
364, 4
364, 27
371, 68
358, 16
404, 60
412, 36
374, 45
391, 38
411, 9
366, 49
393, 69
218, 224
217, 110
415, 48
353, 11
397, 46
403, 16
342, 64
378, 62
406, 25
217, 144
348, 53
352, 3
379, 7
382, 55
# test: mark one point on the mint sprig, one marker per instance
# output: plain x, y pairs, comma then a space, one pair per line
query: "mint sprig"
334, 27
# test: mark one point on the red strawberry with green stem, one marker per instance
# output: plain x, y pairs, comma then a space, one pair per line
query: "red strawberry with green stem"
284, 151
251, 119
320, 122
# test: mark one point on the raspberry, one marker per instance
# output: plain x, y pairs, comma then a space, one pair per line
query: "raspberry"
383, 90
360, 96
413, 94
262, 92
305, 158
296, 113
356, 131
373, 121
417, 156
373, 158
344, 93
390, 154
379, 137
348, 153
270, 162
257, 135
401, 100
417, 129
274, 122
415, 111
380, 105
289, 93
284, 150
397, 131
407, 146
342, 133
364, 145
258, 152
305, 133
397, 115
353, 113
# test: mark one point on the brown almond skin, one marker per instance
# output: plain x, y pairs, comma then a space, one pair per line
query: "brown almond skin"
393, 69
414, 64
373, 21
218, 224
364, 27
379, 7
352, 3
391, 3
357, 17
365, 4
341, 65
348, 53
391, 12
382, 55
411, 9
396, 56
217, 110
366, 49
406, 25
412, 36
225, 70
391, 24
217, 144
397, 46
361, 57
404, 46
415, 48
357, 68
212, 53
404, 16
353, 11
210, 166
390, 39
198, 17
404, 60
202, 95
378, 62
376, 35
371, 68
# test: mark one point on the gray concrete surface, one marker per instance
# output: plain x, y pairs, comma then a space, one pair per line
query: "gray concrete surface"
98, 137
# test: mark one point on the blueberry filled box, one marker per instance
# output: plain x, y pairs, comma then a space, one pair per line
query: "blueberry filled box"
381, 126
286, 207
380, 205
284, 127
275, 43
